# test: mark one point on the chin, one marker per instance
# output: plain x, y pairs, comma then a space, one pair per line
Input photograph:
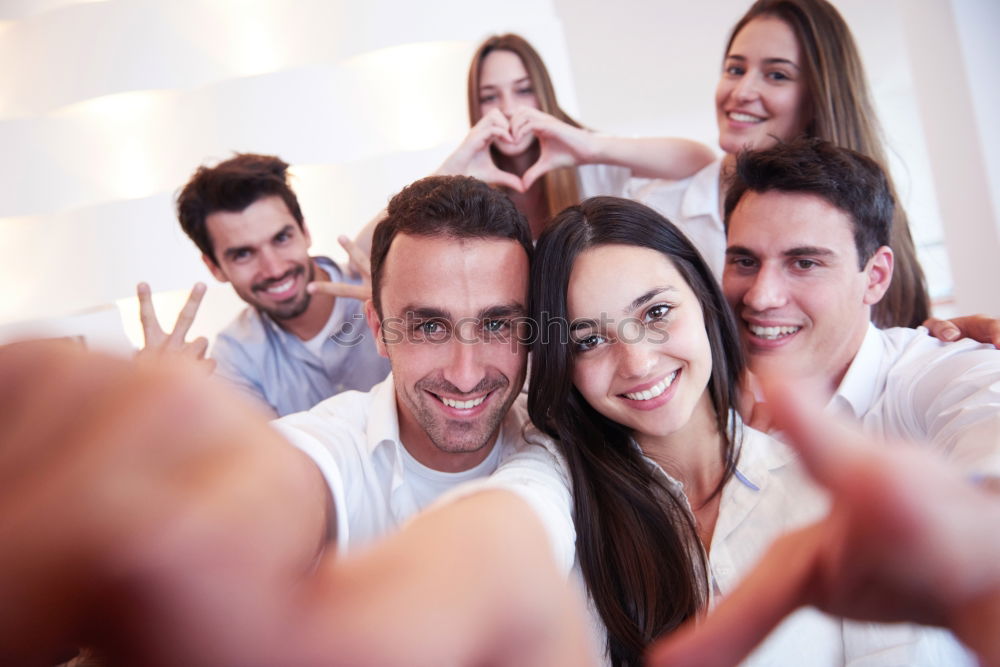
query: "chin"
514, 150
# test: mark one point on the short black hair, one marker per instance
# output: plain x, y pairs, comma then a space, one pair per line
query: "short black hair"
232, 185
460, 207
852, 182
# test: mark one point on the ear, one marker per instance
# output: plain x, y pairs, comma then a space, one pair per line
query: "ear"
375, 324
879, 274
306, 235
215, 269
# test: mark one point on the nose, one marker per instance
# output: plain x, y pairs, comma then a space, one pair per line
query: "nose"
271, 264
746, 88
766, 291
507, 105
635, 359
465, 369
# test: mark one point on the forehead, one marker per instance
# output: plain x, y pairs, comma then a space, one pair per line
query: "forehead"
255, 224
772, 222
501, 66
460, 276
608, 278
766, 37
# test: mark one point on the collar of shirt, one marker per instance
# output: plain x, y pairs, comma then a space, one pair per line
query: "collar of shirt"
863, 378
383, 439
382, 431
759, 453
701, 198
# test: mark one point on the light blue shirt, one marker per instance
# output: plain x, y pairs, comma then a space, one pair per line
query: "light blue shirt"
274, 366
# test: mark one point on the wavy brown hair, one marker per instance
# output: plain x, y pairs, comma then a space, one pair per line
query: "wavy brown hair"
560, 185
637, 542
839, 103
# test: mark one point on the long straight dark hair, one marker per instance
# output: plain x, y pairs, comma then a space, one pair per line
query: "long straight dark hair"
637, 542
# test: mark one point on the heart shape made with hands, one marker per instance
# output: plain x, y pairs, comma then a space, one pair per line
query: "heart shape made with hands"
560, 144
550, 156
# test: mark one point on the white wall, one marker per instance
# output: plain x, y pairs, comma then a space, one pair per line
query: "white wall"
108, 106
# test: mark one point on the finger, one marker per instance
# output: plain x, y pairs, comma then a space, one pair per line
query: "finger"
536, 171
500, 132
186, 316
346, 290
942, 329
151, 332
359, 258
777, 585
196, 349
522, 124
829, 447
507, 179
981, 328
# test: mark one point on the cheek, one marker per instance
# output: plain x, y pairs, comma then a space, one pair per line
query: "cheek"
796, 113
586, 377
721, 93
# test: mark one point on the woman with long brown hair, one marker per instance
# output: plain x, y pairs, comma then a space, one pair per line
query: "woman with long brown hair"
791, 68
522, 139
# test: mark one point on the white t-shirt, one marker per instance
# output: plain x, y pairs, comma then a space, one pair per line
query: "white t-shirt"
375, 484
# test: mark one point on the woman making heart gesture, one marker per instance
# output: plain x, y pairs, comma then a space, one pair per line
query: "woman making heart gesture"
521, 139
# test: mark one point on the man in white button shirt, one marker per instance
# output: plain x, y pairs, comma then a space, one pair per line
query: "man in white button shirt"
808, 228
449, 268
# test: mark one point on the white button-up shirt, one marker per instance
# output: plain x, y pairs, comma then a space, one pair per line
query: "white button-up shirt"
375, 484
903, 383
692, 204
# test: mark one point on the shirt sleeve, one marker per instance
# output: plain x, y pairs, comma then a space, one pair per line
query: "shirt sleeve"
231, 365
959, 400
321, 454
880, 644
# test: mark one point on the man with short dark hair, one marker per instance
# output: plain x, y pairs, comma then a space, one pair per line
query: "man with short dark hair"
289, 349
449, 271
808, 228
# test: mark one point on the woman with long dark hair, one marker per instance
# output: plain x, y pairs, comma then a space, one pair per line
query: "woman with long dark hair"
634, 375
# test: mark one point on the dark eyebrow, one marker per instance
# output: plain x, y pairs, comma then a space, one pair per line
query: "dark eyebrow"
646, 298
739, 250
230, 253
505, 311
425, 313
767, 61
517, 82
639, 302
808, 251
284, 230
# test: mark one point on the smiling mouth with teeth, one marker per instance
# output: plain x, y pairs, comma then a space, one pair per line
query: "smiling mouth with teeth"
462, 405
655, 390
772, 333
740, 117
281, 287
